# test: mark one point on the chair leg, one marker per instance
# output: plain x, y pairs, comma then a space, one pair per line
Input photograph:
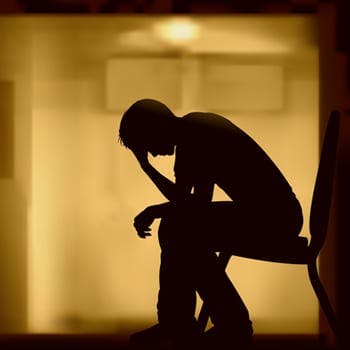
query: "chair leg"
203, 317
322, 296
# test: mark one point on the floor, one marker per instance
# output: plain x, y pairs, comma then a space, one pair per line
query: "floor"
117, 342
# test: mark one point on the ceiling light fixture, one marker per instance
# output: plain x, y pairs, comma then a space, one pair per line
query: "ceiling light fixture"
177, 31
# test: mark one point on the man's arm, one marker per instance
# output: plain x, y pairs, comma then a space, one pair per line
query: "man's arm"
164, 185
171, 191
181, 190
175, 192
203, 192
178, 193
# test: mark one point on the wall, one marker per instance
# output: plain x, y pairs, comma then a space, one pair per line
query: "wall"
15, 168
88, 271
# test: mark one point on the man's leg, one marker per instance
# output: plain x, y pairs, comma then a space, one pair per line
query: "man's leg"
188, 239
228, 313
177, 292
176, 297
189, 263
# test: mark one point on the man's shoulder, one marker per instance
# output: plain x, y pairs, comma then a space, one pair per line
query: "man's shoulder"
202, 115
193, 116
211, 123
209, 119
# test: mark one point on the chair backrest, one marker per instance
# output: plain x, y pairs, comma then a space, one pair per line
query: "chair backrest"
322, 195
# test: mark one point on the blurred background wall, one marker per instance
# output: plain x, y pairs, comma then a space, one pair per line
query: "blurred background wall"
15, 174
76, 262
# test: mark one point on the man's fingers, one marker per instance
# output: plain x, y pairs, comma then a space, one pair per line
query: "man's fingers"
142, 222
142, 230
143, 234
142, 225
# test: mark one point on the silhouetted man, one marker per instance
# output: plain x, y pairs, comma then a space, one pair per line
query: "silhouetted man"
209, 150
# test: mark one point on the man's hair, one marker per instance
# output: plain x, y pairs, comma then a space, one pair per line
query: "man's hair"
145, 119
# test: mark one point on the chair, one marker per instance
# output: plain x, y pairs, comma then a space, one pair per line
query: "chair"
298, 251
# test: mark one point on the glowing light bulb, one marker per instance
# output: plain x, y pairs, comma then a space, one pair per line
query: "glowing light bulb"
177, 30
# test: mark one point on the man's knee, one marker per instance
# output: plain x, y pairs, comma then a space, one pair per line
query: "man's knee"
175, 217
175, 230
167, 232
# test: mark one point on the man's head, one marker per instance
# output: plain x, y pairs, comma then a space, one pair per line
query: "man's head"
148, 125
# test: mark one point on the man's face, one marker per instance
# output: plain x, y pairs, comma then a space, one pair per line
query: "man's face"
161, 148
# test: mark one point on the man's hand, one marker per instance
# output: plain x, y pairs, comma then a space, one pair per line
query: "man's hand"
143, 221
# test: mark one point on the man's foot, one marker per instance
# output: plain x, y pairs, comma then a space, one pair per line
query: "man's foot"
218, 339
160, 337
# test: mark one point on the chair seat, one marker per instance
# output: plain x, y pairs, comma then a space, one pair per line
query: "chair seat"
290, 251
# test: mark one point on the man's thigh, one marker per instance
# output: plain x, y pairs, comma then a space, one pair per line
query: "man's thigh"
213, 226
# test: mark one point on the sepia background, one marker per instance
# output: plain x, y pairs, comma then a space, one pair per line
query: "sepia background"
70, 259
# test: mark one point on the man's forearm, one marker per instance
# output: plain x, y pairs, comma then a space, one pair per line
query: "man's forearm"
160, 210
165, 186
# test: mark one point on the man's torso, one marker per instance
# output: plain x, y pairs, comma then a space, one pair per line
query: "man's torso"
214, 149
